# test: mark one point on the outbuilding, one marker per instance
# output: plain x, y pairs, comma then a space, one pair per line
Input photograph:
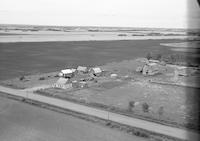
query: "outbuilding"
68, 73
96, 71
63, 83
82, 69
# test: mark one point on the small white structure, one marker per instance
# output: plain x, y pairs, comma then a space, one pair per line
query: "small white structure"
139, 69
68, 73
113, 75
152, 64
60, 74
153, 61
96, 71
183, 71
73, 70
82, 69
143, 60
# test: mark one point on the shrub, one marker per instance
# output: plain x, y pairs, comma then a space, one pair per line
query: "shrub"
148, 56
145, 107
158, 57
154, 56
161, 111
131, 105
122, 34
22, 78
173, 58
41, 78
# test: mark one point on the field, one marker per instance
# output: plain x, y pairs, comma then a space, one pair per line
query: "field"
167, 103
32, 64
22, 59
17, 59
22, 122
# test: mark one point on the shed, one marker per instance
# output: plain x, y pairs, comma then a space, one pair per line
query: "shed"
183, 71
143, 60
153, 61
113, 75
68, 73
96, 71
82, 69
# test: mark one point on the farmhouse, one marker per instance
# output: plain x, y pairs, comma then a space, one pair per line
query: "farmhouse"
63, 83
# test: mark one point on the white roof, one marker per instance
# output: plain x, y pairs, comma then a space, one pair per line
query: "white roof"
81, 68
62, 81
97, 70
152, 64
67, 71
154, 61
182, 67
73, 70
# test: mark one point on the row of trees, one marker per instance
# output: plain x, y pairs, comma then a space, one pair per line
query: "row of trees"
145, 108
176, 59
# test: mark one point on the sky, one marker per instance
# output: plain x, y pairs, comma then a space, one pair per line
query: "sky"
122, 13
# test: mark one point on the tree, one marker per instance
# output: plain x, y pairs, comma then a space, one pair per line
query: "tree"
42, 78
22, 78
158, 57
145, 107
131, 105
160, 111
149, 56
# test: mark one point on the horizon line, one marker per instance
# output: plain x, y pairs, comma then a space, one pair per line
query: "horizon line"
43, 25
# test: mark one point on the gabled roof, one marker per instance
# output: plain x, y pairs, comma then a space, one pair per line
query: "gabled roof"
97, 70
67, 71
81, 68
62, 81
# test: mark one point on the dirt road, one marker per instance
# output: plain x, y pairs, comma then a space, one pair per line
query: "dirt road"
24, 122
146, 125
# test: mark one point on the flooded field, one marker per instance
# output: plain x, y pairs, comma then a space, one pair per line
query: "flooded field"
23, 122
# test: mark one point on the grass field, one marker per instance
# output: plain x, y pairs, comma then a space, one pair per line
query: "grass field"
17, 59
180, 104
